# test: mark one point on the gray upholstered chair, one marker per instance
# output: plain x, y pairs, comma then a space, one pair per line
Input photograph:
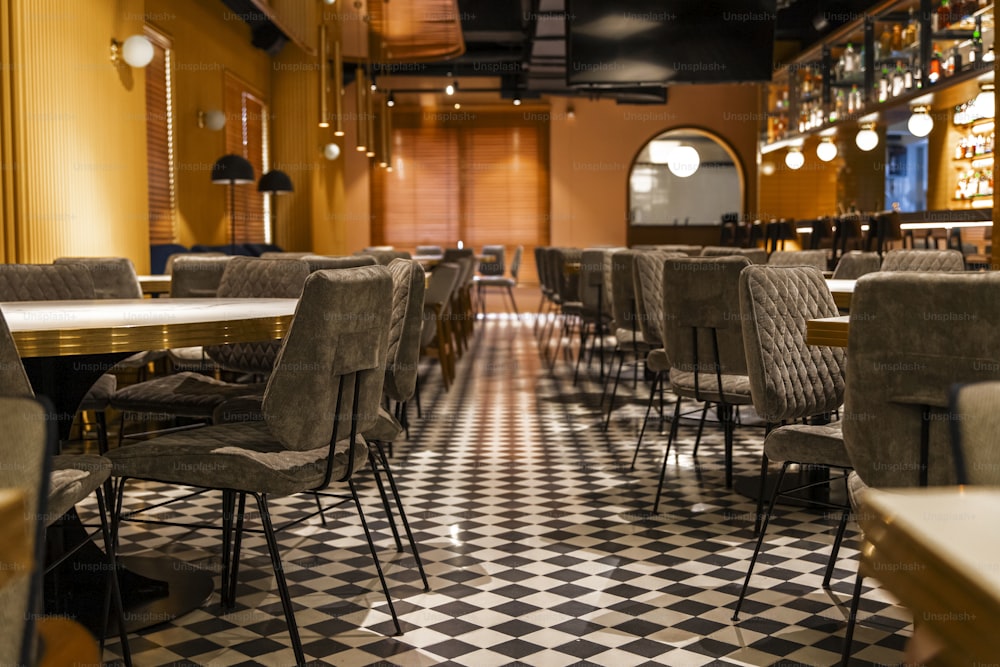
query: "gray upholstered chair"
114, 277
169, 268
384, 256
59, 282
196, 396
923, 260
941, 329
792, 382
755, 255
25, 451
436, 339
71, 477
567, 297
284, 254
195, 276
486, 282
329, 368
498, 265
703, 336
975, 425
629, 336
322, 262
648, 273
815, 258
685, 248
854, 264
428, 250
595, 310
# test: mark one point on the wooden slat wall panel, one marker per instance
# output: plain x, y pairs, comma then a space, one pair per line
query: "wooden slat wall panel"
159, 143
79, 132
809, 192
483, 183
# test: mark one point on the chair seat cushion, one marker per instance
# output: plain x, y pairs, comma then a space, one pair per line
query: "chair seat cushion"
73, 478
494, 281
190, 359
629, 337
242, 457
386, 429
735, 388
183, 394
98, 396
806, 443
657, 360
856, 490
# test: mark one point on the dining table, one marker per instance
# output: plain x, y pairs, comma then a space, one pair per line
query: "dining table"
937, 551
65, 347
154, 285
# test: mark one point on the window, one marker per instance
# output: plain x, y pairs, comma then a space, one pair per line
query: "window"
160, 140
246, 135
476, 177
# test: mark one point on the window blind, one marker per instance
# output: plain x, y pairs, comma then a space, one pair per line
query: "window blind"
246, 135
160, 141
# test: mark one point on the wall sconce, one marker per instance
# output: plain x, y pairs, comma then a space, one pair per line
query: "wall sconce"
331, 151
826, 150
213, 120
451, 88
136, 51
867, 137
794, 159
921, 123
391, 101
570, 112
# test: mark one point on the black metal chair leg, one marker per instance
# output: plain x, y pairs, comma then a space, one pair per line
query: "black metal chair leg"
666, 454
701, 428
649, 406
234, 569
373, 462
728, 428
416, 397
836, 547
760, 494
228, 507
116, 594
614, 390
852, 619
378, 565
402, 514
513, 304
279, 577
760, 540
579, 356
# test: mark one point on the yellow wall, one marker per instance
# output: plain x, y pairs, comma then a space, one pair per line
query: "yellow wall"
76, 130
208, 40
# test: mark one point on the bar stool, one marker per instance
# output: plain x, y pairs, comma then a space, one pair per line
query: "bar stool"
882, 227
846, 235
779, 231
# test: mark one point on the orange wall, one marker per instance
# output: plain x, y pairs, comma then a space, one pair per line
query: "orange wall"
591, 154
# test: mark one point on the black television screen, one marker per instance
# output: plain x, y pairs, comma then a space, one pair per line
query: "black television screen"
669, 41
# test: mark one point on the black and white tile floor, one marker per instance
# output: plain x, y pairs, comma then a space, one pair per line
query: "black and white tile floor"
539, 544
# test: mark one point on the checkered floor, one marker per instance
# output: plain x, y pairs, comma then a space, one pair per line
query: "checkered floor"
539, 543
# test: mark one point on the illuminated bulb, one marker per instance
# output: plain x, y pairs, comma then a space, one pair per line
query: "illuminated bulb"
137, 51
391, 102
449, 89
920, 123
767, 168
683, 161
826, 150
794, 159
457, 105
517, 101
867, 138
331, 151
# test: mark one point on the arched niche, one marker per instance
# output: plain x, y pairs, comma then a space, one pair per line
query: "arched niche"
684, 176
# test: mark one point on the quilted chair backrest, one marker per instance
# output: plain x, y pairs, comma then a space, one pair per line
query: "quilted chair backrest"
913, 335
816, 258
755, 255
923, 260
45, 282
404, 329
196, 276
975, 426
702, 294
566, 281
114, 277
591, 283
13, 380
623, 306
854, 264
250, 278
515, 264
789, 379
321, 262
648, 272
340, 332
442, 284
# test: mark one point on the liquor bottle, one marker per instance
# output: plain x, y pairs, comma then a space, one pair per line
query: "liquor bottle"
912, 26
898, 85
934, 70
883, 86
850, 61
908, 78
970, 150
960, 149
977, 41
897, 37
943, 16
884, 43
956, 61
